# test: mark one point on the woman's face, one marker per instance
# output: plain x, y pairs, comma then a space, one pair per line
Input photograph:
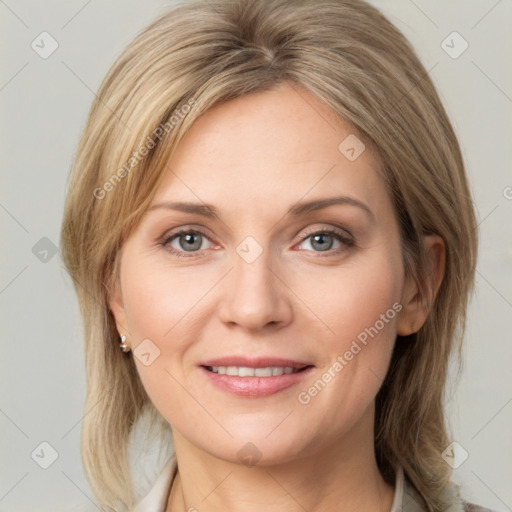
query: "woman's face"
288, 260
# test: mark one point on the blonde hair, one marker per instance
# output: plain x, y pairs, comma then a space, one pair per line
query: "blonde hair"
203, 53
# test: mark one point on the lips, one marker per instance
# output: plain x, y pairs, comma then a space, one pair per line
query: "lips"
254, 377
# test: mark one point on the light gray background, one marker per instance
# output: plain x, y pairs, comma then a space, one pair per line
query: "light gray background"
44, 103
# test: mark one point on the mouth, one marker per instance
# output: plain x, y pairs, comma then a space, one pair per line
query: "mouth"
255, 377
247, 371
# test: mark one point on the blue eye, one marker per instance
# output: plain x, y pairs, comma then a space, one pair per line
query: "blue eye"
187, 241
323, 241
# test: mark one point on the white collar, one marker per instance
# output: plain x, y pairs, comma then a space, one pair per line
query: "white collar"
156, 500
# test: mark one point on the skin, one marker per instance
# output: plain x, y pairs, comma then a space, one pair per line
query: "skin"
253, 158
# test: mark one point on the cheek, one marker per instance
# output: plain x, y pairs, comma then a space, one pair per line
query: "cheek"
358, 296
369, 313
367, 302
360, 307
162, 305
158, 298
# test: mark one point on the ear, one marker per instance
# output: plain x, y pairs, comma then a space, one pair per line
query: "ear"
415, 306
115, 301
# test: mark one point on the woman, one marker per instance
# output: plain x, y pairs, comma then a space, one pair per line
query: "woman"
269, 210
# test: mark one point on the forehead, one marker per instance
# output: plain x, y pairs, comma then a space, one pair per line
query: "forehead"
280, 145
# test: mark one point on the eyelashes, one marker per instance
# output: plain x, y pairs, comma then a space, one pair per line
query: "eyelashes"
324, 239
186, 234
344, 240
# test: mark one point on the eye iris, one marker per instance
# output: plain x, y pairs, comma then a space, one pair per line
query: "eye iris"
322, 244
192, 241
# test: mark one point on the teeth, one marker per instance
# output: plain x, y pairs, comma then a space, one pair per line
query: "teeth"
245, 371
263, 372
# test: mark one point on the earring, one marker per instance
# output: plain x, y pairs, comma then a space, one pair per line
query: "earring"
124, 346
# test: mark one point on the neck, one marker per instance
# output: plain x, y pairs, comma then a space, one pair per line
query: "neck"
340, 478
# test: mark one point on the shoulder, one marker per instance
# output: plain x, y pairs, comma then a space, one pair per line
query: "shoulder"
413, 502
470, 507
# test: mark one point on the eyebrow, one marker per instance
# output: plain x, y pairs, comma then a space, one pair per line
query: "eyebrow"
298, 209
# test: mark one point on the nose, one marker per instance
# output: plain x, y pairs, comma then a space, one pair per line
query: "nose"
255, 296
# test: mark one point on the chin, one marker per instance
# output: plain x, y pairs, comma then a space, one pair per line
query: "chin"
255, 446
